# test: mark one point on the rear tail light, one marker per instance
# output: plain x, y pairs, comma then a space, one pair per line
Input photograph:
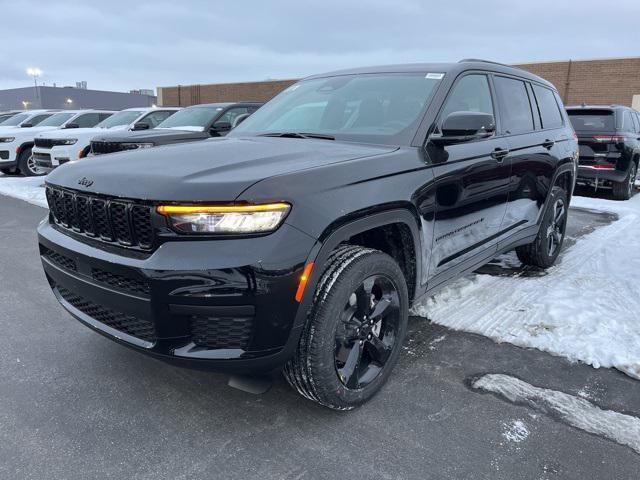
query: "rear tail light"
609, 138
604, 166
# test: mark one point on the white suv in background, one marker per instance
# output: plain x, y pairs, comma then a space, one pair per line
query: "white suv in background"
26, 119
55, 148
16, 142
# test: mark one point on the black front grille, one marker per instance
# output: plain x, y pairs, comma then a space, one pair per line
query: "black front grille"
221, 332
112, 221
99, 148
121, 282
134, 326
59, 259
48, 142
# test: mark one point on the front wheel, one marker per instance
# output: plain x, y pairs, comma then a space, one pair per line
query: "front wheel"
623, 190
544, 250
354, 330
27, 164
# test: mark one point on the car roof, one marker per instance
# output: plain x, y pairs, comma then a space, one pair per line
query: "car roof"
452, 68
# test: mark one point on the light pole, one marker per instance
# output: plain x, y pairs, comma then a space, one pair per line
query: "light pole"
35, 73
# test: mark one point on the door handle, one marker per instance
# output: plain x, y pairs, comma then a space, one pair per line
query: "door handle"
548, 143
499, 154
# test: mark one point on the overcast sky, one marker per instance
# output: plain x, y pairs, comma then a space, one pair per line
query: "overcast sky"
127, 44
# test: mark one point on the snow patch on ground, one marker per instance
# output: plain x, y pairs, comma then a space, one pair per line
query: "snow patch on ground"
576, 411
515, 431
585, 308
29, 189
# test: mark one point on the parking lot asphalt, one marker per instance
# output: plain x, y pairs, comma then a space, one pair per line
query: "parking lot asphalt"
74, 405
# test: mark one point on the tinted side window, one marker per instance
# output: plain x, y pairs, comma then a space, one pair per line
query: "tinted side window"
155, 118
230, 115
104, 116
627, 122
470, 94
515, 109
87, 120
37, 119
549, 111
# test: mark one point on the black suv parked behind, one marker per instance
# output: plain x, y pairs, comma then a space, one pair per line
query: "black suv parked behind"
300, 240
609, 139
190, 124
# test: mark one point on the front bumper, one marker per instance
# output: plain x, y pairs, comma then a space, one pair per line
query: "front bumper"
8, 156
225, 305
49, 159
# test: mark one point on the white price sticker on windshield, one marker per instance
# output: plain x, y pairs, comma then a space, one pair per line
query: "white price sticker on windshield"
434, 76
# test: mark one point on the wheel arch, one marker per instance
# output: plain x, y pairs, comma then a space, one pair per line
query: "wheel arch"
24, 146
373, 225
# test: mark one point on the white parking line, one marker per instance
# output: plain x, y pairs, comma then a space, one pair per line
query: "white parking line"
576, 411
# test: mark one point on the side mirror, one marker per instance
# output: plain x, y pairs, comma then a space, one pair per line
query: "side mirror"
72, 125
27, 125
220, 128
461, 127
141, 126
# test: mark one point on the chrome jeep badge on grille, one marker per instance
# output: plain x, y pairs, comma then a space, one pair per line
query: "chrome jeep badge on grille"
85, 182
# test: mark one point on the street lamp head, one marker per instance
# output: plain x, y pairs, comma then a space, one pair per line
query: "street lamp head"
34, 72
69, 101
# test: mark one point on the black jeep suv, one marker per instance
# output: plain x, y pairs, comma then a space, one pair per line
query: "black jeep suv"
194, 123
300, 240
609, 140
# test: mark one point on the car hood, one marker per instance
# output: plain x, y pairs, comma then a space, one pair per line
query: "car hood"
210, 170
158, 136
25, 132
80, 133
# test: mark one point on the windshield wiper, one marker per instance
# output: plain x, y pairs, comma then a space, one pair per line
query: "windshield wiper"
319, 136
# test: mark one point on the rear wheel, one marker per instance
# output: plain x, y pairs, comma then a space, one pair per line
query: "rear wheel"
624, 189
27, 164
544, 250
354, 330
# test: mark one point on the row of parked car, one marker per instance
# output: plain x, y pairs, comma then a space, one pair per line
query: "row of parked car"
37, 141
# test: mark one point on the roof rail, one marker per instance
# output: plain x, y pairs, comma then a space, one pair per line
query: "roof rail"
482, 61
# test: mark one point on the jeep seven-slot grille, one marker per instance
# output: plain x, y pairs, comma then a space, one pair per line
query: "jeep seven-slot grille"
111, 221
48, 142
134, 326
99, 148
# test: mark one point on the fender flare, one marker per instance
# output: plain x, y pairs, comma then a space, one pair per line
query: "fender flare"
23, 147
323, 248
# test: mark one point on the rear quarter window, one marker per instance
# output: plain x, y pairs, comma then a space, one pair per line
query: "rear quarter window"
548, 107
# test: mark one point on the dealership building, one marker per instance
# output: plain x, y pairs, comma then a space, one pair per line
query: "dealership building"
600, 81
72, 98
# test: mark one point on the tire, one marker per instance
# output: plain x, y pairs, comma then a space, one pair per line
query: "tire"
544, 250
9, 171
334, 334
624, 189
26, 165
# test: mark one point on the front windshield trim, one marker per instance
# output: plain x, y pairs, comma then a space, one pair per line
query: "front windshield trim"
127, 116
406, 109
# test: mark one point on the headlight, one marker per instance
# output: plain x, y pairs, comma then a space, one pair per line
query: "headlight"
135, 146
67, 141
7, 139
227, 219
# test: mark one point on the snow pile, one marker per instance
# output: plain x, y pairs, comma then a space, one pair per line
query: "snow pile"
576, 411
29, 189
515, 431
586, 308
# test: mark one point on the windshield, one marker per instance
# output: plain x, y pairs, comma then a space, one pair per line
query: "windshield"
56, 120
191, 117
376, 108
15, 120
121, 118
592, 120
